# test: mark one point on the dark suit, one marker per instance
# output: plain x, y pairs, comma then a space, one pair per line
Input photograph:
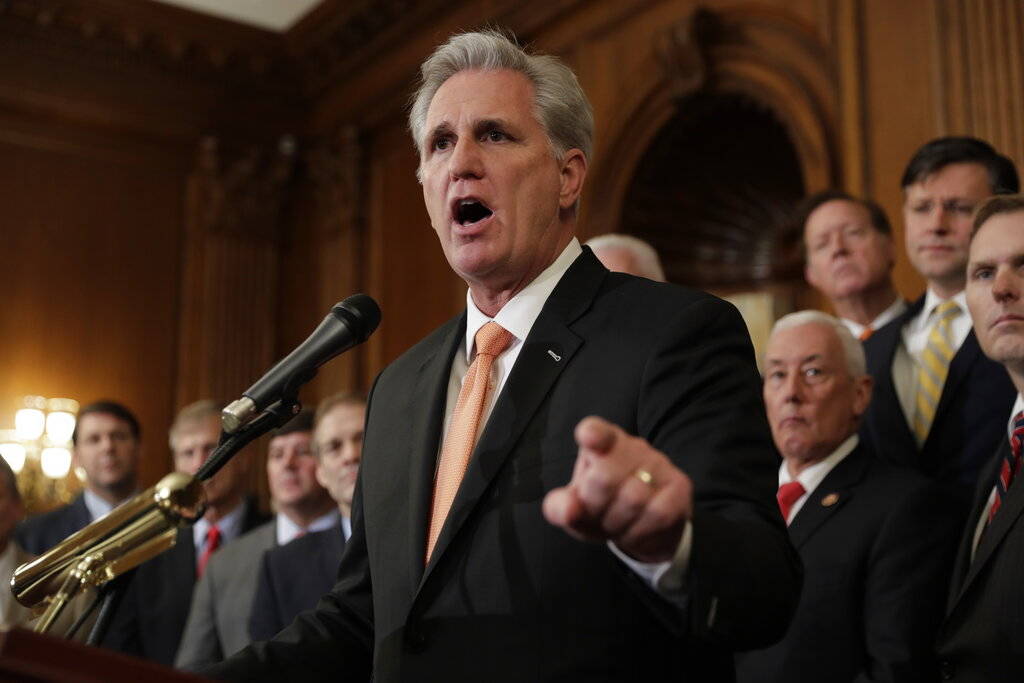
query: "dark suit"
293, 577
969, 420
877, 543
981, 637
39, 533
506, 595
151, 616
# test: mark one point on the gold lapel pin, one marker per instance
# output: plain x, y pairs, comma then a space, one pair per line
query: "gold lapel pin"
830, 500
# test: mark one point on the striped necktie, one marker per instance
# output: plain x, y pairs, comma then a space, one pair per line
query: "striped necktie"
933, 368
1010, 465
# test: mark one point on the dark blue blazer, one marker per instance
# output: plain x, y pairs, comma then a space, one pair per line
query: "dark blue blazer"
969, 420
151, 616
293, 577
877, 544
39, 533
981, 637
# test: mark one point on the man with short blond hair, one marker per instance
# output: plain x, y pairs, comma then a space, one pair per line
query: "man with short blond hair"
986, 602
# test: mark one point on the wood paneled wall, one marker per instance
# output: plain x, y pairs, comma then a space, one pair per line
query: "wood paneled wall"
146, 265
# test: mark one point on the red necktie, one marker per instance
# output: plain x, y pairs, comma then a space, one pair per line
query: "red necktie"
212, 543
787, 495
1010, 466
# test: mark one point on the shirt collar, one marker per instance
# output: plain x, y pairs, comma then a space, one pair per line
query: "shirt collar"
97, 506
812, 476
287, 530
1018, 406
931, 300
230, 526
521, 311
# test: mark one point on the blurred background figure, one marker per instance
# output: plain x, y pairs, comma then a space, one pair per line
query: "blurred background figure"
939, 404
107, 446
218, 620
849, 259
627, 254
12, 555
296, 575
876, 541
151, 617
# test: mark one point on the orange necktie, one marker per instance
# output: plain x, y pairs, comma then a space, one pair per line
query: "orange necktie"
866, 333
491, 340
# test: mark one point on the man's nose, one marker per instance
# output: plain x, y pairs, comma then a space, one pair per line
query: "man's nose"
1006, 285
465, 160
940, 220
792, 388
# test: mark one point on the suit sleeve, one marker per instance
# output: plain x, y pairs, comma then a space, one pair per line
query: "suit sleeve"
265, 622
200, 644
905, 587
701, 405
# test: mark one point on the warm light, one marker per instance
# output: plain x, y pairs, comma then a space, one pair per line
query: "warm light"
59, 426
55, 462
14, 454
29, 423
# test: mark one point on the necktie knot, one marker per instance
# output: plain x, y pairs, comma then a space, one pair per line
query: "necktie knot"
947, 310
789, 494
866, 333
492, 339
213, 537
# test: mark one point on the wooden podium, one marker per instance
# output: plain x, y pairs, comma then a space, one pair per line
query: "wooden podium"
28, 657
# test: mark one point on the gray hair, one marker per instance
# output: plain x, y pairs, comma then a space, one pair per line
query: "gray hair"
853, 350
560, 105
647, 261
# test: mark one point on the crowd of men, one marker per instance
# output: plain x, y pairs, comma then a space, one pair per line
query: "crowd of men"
579, 477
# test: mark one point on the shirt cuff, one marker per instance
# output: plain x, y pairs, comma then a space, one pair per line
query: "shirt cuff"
667, 578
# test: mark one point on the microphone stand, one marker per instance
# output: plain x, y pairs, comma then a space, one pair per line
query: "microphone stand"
111, 594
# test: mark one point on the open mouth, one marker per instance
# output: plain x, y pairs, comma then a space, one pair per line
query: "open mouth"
469, 211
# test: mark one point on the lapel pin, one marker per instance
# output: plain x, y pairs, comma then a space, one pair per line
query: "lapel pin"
554, 355
830, 500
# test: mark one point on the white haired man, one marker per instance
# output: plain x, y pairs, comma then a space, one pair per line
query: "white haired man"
501, 531
627, 254
876, 541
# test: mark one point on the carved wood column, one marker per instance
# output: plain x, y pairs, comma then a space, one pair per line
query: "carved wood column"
233, 213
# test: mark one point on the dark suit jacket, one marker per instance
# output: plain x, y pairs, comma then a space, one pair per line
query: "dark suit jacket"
981, 637
39, 533
293, 577
509, 597
151, 615
969, 420
877, 543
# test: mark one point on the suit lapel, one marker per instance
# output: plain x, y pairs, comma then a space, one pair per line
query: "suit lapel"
546, 352
835, 490
1006, 517
431, 388
959, 370
891, 420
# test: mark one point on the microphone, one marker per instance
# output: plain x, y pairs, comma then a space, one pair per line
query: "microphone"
348, 324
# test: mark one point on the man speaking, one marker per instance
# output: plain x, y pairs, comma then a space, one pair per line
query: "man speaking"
572, 480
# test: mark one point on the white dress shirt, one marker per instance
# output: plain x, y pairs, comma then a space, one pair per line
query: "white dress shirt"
230, 526
982, 522
811, 476
518, 316
287, 530
915, 337
96, 505
884, 317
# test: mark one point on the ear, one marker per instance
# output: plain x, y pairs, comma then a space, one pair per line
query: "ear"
573, 172
862, 395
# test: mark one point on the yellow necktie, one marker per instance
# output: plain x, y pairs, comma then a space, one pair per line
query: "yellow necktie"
933, 368
491, 340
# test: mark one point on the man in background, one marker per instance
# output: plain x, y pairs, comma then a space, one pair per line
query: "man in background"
627, 254
294, 576
107, 446
218, 620
939, 404
876, 541
978, 641
849, 253
151, 617
12, 613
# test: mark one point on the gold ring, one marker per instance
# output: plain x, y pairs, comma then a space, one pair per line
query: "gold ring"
644, 476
